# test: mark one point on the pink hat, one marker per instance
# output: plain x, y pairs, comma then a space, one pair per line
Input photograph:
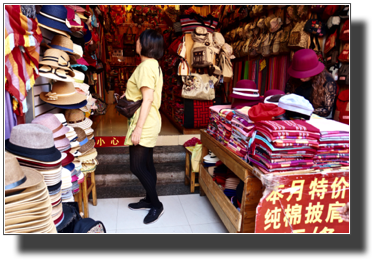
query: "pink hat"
273, 92
75, 8
245, 89
240, 103
71, 18
53, 123
305, 64
61, 142
74, 178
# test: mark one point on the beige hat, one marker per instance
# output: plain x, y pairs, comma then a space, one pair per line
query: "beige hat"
57, 59
76, 118
17, 177
63, 93
85, 144
30, 191
63, 43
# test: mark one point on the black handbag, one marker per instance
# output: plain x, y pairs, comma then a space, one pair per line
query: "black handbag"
127, 107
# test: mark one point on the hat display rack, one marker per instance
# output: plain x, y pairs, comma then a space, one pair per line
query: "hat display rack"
48, 155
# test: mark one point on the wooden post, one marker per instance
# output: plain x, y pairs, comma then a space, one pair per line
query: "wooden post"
94, 198
85, 195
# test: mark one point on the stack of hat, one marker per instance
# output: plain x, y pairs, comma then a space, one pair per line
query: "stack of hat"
76, 118
224, 126
283, 145
33, 145
86, 153
27, 205
83, 88
74, 165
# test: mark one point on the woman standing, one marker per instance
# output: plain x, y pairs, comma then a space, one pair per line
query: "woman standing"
310, 79
143, 128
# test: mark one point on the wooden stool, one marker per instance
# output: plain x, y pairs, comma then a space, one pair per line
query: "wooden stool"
189, 174
84, 192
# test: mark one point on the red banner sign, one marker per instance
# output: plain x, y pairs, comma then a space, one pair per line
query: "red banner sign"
109, 141
304, 204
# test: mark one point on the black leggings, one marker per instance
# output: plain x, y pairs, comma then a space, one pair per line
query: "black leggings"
142, 166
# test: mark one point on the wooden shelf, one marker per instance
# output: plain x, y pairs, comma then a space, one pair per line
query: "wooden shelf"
235, 221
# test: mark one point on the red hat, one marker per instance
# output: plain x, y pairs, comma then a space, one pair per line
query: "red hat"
265, 111
245, 89
273, 92
240, 103
305, 64
68, 159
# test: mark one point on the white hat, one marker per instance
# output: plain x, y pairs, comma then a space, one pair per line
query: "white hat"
296, 103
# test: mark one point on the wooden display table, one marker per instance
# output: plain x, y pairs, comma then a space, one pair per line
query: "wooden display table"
305, 201
235, 221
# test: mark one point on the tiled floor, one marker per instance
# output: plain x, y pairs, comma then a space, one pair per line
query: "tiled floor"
183, 214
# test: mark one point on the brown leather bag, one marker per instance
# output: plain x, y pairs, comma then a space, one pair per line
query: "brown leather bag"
127, 107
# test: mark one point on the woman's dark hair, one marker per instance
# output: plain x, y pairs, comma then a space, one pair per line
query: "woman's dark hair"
152, 44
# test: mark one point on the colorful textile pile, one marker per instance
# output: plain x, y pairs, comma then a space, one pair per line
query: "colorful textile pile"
283, 145
333, 148
215, 127
228, 182
242, 129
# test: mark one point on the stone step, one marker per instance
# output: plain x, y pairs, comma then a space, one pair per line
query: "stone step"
115, 180
121, 155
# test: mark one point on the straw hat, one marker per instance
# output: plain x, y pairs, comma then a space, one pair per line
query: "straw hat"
57, 58
17, 177
33, 141
19, 210
51, 164
62, 93
63, 43
91, 155
71, 18
55, 73
76, 118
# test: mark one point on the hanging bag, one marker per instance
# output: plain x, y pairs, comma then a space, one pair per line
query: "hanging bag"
344, 34
344, 55
202, 52
343, 74
127, 107
199, 86
315, 27
184, 68
299, 39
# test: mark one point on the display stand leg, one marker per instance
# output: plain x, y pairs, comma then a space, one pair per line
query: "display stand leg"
94, 198
85, 195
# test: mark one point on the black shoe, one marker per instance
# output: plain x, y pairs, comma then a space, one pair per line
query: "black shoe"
141, 205
153, 215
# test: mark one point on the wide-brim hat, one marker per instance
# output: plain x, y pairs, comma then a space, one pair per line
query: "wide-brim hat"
42, 163
57, 58
33, 141
63, 93
63, 43
20, 209
27, 192
305, 64
18, 177
245, 89
273, 99
54, 17
90, 155
55, 74
240, 103
52, 122
70, 106
81, 61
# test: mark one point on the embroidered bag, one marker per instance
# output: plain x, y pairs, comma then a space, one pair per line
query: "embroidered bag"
331, 42
199, 86
184, 68
299, 39
284, 39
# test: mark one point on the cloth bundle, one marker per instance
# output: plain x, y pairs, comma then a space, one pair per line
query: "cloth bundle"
242, 129
333, 150
286, 145
218, 122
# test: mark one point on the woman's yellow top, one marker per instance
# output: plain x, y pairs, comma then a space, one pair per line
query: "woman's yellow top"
147, 74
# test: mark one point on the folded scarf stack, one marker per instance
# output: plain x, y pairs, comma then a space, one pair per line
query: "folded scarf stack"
333, 150
287, 145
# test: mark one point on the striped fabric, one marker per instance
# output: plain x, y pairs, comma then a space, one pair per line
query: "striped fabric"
277, 72
189, 23
22, 47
